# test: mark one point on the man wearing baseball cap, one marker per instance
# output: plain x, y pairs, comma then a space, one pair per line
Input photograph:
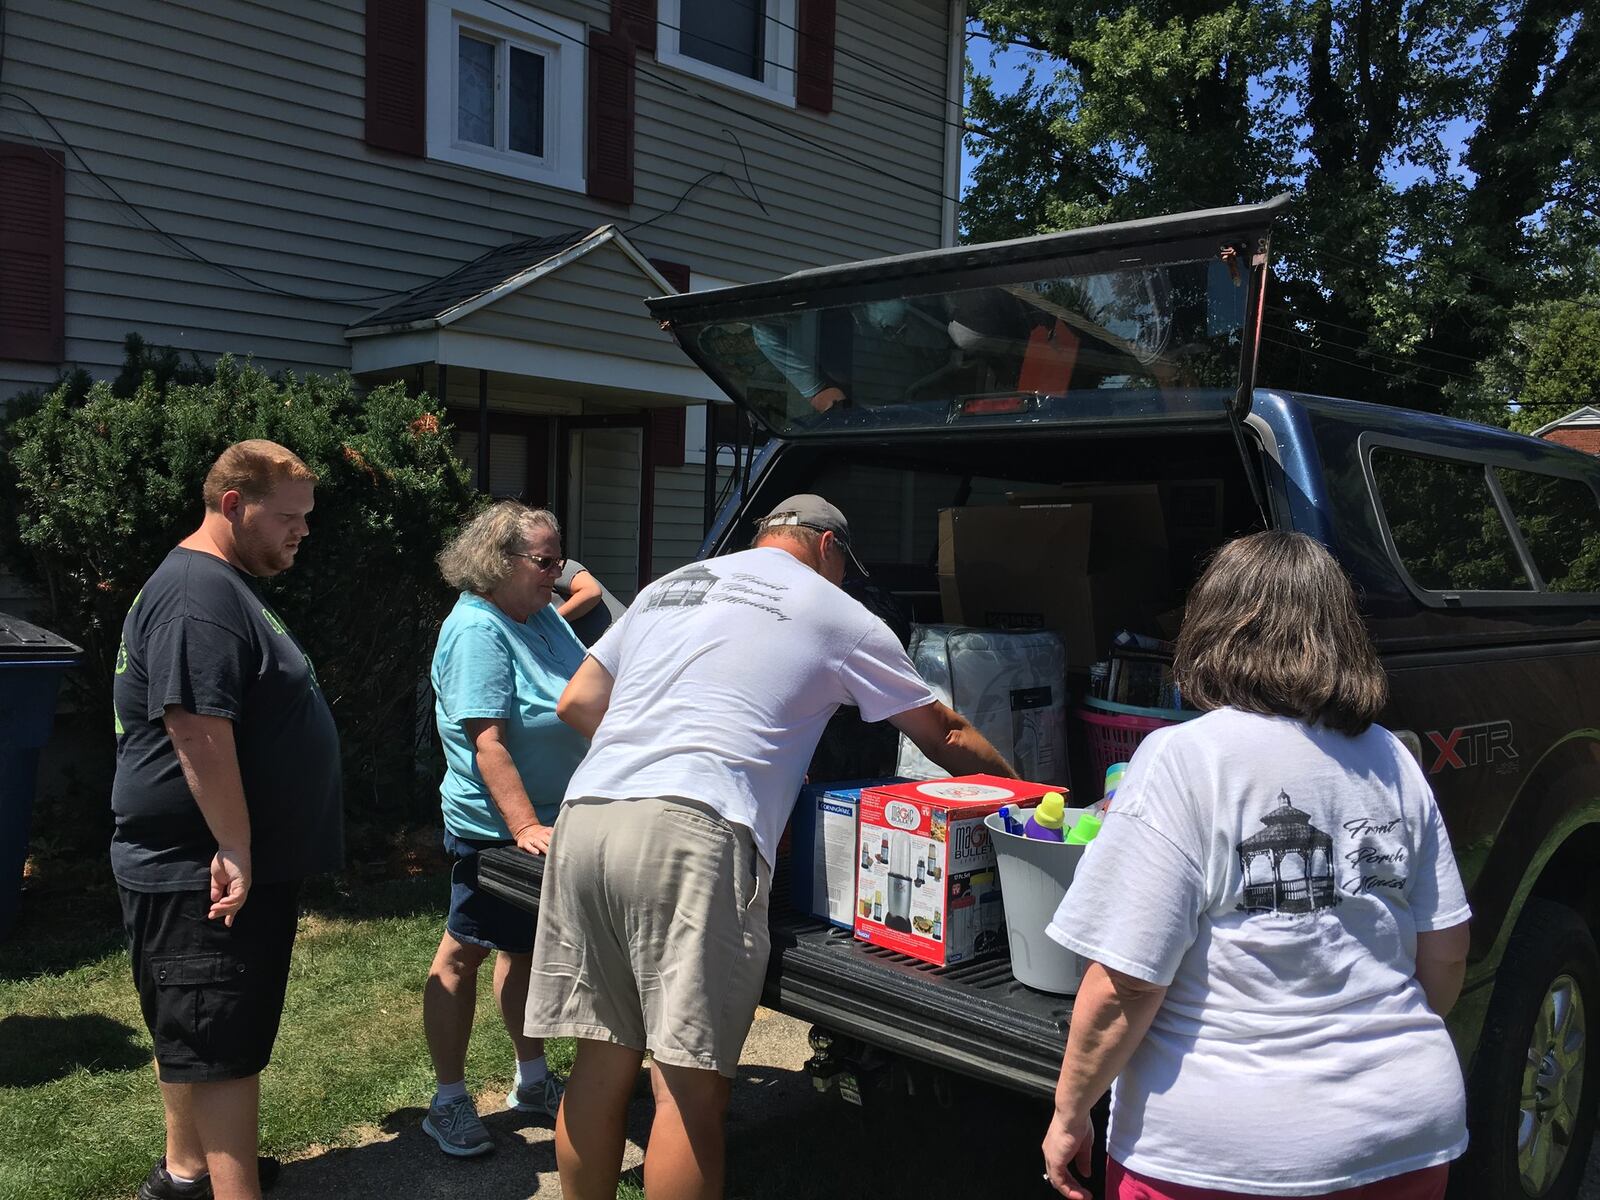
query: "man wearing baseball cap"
703, 704
807, 511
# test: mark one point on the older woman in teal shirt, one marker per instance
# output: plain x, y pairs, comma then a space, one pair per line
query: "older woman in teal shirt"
503, 658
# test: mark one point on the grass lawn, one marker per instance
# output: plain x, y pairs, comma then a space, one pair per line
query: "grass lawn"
80, 1113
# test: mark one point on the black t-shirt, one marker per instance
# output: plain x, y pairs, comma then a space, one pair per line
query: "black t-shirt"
200, 636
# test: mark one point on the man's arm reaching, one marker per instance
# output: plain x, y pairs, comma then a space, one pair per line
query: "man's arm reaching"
950, 740
586, 698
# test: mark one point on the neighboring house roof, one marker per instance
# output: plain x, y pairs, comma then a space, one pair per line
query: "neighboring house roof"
494, 275
1580, 418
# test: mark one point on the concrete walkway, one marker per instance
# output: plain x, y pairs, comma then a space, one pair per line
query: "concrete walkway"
785, 1142
399, 1160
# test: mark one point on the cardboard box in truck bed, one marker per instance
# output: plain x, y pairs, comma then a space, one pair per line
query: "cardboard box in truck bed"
928, 885
1082, 570
822, 855
1178, 521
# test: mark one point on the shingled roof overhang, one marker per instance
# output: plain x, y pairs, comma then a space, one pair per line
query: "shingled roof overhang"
454, 321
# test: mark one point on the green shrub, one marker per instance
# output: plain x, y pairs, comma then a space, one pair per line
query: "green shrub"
105, 480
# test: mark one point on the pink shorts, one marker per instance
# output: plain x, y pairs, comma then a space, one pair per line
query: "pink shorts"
1426, 1184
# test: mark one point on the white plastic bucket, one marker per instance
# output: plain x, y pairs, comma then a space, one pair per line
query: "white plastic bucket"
1033, 878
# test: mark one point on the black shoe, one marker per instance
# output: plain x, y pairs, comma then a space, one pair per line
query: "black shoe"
160, 1185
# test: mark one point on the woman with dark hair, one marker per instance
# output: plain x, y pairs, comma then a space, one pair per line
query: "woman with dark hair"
1273, 919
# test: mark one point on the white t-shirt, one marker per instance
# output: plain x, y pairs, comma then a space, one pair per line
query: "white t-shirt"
725, 673
1274, 876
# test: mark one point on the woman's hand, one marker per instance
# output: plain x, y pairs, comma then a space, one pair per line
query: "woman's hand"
1068, 1143
1110, 1016
534, 838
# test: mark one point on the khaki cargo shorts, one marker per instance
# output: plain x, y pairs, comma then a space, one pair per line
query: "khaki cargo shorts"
652, 931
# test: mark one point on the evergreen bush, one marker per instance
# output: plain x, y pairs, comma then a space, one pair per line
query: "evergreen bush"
104, 479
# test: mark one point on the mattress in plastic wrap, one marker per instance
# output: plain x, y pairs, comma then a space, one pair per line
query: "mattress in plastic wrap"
1011, 686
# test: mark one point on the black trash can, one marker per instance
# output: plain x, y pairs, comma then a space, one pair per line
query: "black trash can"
32, 662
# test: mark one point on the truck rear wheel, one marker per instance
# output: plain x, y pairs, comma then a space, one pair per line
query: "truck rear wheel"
1531, 1105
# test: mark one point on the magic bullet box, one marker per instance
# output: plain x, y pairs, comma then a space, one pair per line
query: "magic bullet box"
926, 883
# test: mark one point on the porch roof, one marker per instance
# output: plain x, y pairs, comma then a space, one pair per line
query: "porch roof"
567, 310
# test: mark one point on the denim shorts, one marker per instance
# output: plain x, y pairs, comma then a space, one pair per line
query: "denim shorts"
476, 917
212, 995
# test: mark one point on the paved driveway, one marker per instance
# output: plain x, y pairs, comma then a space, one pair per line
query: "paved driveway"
786, 1142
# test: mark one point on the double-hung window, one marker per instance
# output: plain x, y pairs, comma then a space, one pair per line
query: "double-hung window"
505, 92
748, 45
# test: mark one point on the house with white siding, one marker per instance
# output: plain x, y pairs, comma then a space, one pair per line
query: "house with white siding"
474, 196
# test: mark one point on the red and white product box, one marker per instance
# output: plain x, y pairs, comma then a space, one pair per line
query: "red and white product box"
926, 883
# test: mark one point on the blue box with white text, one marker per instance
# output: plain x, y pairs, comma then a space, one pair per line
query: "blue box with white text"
824, 847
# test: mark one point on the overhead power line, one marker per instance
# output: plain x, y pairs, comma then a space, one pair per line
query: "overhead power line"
1399, 360
811, 143
172, 240
1323, 322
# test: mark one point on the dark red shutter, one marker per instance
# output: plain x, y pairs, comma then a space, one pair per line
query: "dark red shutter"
666, 437
635, 19
675, 273
813, 85
33, 220
397, 75
610, 175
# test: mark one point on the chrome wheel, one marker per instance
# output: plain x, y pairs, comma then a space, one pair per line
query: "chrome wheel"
1552, 1084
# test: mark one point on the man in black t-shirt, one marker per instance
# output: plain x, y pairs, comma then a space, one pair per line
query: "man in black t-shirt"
227, 795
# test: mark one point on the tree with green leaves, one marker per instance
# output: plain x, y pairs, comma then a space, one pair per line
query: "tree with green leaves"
1402, 274
101, 480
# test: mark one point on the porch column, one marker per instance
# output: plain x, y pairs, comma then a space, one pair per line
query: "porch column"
711, 468
483, 430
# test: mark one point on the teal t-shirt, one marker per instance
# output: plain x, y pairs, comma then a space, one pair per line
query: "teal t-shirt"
487, 665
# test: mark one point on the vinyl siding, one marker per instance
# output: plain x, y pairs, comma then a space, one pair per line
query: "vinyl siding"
680, 515
237, 126
595, 303
603, 509
508, 463
507, 393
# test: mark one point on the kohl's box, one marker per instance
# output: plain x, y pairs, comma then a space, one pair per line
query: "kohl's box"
926, 881
823, 848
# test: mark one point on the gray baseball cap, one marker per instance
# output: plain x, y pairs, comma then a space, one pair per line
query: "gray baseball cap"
812, 512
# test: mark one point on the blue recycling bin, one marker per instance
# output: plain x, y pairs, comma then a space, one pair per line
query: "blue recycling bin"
32, 662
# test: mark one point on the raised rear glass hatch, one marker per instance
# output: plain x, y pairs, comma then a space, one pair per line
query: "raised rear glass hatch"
1140, 320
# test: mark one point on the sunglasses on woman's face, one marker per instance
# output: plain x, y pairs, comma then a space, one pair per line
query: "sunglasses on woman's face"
543, 562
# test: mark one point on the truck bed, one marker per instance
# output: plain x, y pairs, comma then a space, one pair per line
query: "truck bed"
972, 1018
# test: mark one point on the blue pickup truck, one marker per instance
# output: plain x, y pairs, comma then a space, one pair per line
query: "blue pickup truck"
1126, 354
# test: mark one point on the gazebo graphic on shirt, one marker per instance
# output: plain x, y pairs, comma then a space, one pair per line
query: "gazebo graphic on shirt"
686, 589
1288, 866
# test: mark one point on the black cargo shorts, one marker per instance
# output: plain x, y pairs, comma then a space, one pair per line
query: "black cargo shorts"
212, 995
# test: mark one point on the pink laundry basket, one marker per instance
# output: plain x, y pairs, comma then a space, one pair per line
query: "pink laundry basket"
1113, 737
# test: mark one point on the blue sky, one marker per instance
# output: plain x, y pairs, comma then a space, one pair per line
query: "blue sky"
1007, 74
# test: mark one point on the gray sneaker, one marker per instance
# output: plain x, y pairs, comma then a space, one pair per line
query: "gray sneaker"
544, 1098
456, 1127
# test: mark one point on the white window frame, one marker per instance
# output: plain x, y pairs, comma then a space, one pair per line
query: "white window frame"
559, 41
778, 71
